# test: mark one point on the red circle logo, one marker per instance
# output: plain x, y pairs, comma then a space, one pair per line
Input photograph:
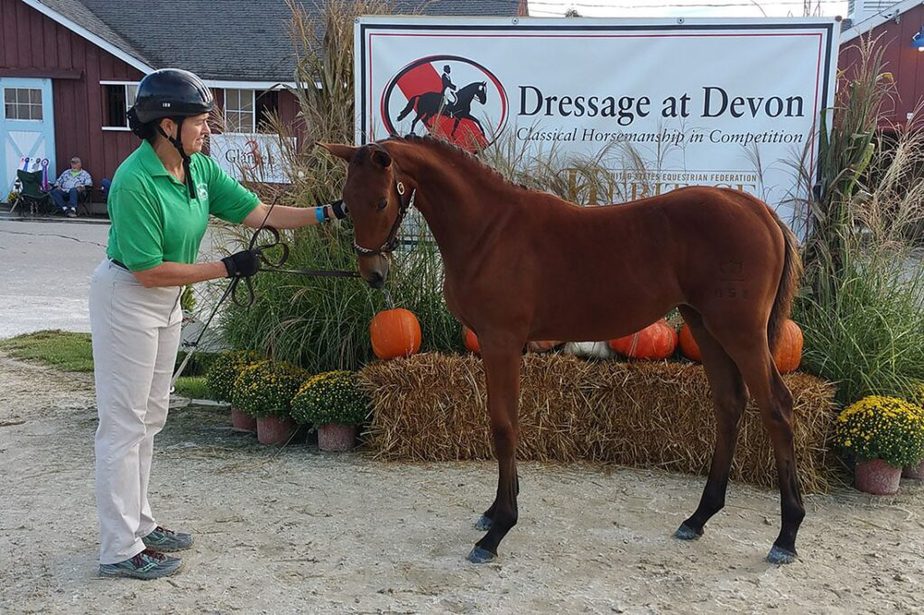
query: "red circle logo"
449, 97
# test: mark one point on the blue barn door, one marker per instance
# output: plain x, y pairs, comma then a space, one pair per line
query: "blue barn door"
27, 128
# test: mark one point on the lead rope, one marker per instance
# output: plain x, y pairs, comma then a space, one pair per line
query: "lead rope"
229, 289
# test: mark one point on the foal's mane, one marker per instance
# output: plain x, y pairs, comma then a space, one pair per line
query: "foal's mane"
457, 154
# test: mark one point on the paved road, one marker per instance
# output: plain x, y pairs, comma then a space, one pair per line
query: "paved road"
45, 269
45, 272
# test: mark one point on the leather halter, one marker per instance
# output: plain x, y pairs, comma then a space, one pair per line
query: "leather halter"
391, 241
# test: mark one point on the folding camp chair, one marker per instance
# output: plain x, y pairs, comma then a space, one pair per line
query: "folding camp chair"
84, 201
31, 194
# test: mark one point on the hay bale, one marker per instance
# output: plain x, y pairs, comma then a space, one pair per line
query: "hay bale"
432, 407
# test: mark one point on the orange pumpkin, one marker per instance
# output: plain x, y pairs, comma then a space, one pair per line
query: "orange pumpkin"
688, 346
470, 340
394, 333
788, 353
786, 357
656, 341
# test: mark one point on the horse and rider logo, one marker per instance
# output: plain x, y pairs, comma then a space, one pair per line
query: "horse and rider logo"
427, 92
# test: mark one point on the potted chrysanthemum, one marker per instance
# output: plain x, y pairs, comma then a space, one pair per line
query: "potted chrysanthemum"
916, 471
334, 402
883, 434
220, 378
264, 390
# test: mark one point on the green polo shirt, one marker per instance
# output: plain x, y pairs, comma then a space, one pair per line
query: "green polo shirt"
154, 220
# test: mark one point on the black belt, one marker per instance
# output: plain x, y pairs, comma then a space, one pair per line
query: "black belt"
118, 264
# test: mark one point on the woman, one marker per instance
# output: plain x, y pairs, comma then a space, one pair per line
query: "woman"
159, 204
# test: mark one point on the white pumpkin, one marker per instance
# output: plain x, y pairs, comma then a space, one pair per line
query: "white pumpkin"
589, 350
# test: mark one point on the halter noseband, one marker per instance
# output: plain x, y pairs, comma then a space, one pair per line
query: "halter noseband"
391, 241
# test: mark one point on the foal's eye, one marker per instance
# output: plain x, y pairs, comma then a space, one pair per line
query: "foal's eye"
383, 204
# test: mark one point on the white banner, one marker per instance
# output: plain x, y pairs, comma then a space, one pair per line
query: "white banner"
668, 102
254, 157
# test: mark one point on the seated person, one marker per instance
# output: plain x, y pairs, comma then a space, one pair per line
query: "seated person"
68, 186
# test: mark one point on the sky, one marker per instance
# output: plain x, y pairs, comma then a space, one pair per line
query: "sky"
686, 8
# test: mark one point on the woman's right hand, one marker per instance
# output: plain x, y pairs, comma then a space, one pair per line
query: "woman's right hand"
242, 264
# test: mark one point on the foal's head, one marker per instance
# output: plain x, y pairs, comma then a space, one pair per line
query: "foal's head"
376, 200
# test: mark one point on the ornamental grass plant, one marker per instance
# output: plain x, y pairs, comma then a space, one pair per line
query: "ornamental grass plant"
267, 388
880, 427
861, 307
917, 393
331, 398
867, 334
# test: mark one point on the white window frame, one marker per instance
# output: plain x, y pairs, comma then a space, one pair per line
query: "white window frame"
130, 90
239, 111
28, 104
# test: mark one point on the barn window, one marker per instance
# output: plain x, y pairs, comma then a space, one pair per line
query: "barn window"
118, 99
248, 111
239, 111
22, 104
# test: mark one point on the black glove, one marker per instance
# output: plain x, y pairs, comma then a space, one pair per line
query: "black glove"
339, 208
242, 264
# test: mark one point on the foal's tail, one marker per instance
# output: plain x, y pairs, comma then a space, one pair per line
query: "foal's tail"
789, 282
407, 109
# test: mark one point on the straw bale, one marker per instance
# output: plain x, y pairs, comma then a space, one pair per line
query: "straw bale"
433, 407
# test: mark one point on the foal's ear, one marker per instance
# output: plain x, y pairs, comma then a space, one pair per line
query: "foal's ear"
345, 152
381, 158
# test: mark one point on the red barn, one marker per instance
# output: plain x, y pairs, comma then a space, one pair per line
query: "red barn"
899, 28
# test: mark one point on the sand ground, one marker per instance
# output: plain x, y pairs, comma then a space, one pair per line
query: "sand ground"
293, 530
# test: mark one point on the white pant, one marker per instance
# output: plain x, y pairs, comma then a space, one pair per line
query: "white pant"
136, 334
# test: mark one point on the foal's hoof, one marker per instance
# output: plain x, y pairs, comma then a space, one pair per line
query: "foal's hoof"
685, 532
484, 523
779, 555
480, 556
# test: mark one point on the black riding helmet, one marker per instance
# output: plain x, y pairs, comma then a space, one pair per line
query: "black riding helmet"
169, 93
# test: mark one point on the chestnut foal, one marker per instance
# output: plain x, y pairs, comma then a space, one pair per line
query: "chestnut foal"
523, 265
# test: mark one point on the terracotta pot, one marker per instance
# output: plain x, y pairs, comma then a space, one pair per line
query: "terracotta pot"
916, 472
275, 429
336, 438
877, 477
242, 422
